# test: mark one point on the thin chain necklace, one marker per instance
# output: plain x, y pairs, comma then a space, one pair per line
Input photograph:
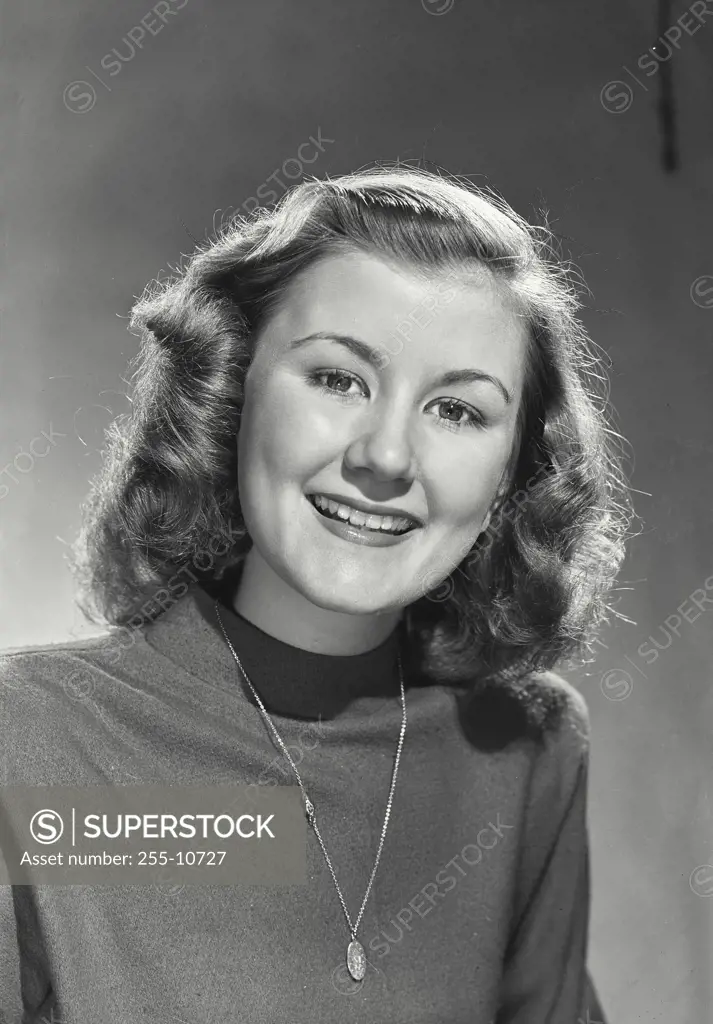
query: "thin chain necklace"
356, 958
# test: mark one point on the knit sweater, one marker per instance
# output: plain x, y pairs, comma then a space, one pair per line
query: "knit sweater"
479, 908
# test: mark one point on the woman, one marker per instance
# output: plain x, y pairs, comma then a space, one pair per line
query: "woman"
366, 496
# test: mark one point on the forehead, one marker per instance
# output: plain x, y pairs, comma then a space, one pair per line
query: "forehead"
444, 318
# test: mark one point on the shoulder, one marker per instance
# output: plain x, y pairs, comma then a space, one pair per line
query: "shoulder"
36, 676
561, 763
541, 709
52, 705
538, 727
42, 675
571, 725
552, 878
44, 668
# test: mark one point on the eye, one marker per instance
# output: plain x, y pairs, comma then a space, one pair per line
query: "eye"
455, 415
337, 382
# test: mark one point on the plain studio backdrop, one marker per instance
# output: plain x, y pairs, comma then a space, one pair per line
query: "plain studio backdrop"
128, 129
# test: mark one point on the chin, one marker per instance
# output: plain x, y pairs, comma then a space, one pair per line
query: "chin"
345, 600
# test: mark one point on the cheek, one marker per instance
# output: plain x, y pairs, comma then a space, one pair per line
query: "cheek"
460, 491
282, 435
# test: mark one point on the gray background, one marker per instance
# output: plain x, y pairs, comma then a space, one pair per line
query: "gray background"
100, 201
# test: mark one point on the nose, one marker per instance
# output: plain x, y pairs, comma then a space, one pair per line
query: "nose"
384, 447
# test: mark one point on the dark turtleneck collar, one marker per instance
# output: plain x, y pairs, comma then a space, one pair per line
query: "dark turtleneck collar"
290, 681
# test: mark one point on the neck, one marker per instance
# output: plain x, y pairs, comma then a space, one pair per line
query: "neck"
264, 599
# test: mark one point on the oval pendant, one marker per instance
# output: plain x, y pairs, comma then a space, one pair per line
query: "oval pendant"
356, 960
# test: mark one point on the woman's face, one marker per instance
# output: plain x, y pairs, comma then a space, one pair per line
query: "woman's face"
386, 392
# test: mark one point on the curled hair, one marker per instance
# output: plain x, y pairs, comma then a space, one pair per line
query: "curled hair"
532, 589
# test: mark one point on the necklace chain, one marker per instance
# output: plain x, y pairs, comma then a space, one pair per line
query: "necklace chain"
309, 806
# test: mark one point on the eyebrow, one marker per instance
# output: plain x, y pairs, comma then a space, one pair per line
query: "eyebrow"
367, 353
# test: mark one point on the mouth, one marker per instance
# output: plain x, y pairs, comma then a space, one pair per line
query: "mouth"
361, 520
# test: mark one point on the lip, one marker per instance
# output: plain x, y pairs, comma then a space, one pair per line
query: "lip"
356, 535
367, 509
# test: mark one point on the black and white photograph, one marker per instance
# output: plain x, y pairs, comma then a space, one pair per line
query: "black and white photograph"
356, 503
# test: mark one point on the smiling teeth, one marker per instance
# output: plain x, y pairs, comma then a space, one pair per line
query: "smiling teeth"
389, 524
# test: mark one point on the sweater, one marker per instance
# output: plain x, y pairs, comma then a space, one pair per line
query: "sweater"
479, 909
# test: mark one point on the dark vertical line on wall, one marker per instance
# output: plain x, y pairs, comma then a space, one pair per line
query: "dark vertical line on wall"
666, 104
